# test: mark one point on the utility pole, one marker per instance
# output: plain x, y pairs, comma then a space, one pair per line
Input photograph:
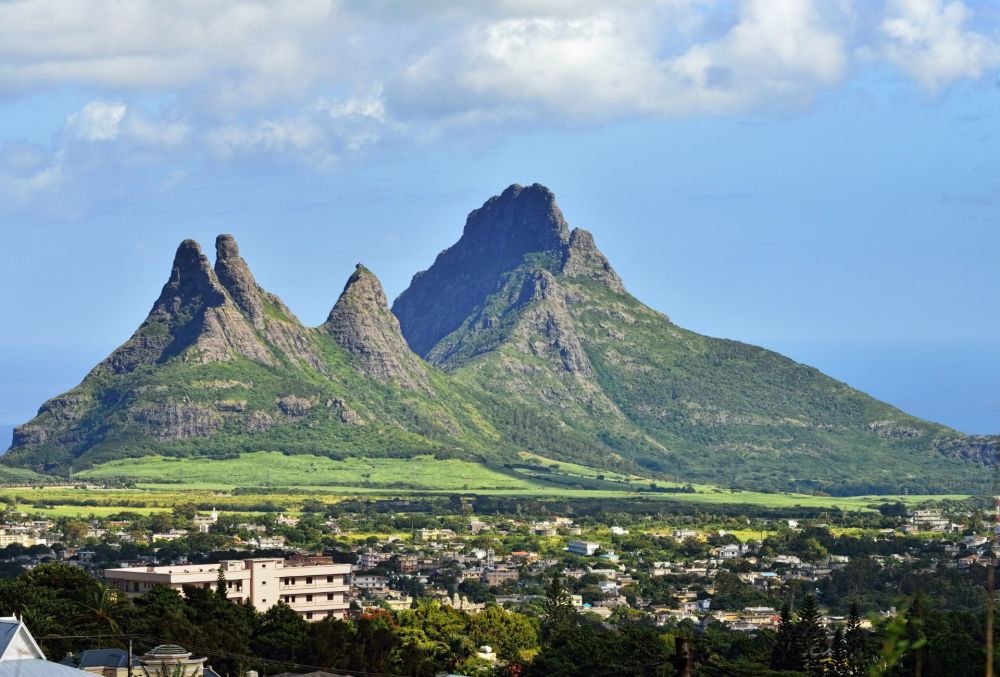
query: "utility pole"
990, 573
129, 656
682, 657
989, 616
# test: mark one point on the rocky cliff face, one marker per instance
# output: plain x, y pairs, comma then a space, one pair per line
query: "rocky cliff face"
234, 275
194, 312
520, 222
362, 324
584, 260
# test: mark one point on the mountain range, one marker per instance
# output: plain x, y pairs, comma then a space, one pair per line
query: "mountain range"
520, 336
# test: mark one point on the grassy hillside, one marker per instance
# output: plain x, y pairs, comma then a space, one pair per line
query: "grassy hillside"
212, 409
656, 399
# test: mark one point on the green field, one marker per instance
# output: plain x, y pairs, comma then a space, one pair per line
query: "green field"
267, 468
284, 482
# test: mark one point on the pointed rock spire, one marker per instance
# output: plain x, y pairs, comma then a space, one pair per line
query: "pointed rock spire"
193, 310
362, 324
584, 259
234, 274
191, 282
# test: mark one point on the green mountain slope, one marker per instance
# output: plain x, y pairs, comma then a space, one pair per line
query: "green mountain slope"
575, 367
221, 367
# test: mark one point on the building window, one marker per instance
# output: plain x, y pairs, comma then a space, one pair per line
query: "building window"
329, 579
329, 595
309, 598
309, 580
309, 615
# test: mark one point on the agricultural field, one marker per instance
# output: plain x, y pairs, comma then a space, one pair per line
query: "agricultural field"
271, 468
271, 481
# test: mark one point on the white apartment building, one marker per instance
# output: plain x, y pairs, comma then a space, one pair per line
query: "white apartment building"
586, 548
312, 586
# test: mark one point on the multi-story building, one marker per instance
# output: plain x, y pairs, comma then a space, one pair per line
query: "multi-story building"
408, 563
370, 583
499, 576
371, 559
586, 548
312, 586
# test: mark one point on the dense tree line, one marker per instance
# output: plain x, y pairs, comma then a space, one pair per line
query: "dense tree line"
68, 610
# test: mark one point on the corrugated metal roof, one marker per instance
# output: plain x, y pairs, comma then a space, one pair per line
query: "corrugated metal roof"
7, 631
36, 667
92, 658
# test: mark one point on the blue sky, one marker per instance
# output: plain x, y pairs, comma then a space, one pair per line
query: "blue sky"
815, 177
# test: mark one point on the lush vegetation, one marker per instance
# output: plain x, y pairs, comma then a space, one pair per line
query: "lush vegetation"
282, 470
69, 611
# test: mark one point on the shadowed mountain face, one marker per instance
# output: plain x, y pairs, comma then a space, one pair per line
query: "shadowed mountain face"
520, 223
523, 337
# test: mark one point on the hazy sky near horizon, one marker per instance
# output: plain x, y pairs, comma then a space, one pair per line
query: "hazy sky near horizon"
815, 176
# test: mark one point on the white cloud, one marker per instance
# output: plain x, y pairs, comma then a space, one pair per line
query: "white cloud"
27, 169
107, 121
249, 52
319, 80
318, 133
627, 61
932, 42
98, 121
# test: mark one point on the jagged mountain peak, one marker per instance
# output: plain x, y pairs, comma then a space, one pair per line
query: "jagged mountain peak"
364, 286
234, 274
522, 219
584, 259
540, 349
191, 281
362, 324
523, 222
194, 311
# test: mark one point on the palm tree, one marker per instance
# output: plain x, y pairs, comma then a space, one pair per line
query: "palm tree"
102, 610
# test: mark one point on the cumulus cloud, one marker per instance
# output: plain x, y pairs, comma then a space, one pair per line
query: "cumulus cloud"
98, 121
319, 80
932, 42
246, 51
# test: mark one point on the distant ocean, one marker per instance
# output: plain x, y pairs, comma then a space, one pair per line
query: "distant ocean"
6, 436
951, 381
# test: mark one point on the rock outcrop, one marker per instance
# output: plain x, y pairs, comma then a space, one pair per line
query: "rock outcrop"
234, 274
362, 324
193, 313
583, 259
520, 222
